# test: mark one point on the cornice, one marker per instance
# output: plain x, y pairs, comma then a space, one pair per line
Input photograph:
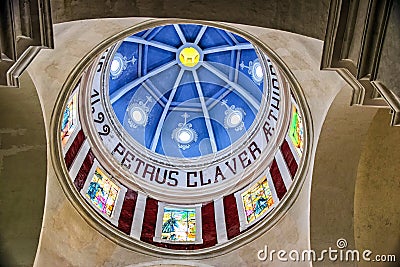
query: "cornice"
26, 28
360, 75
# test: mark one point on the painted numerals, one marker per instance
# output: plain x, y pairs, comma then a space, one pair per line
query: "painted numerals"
102, 127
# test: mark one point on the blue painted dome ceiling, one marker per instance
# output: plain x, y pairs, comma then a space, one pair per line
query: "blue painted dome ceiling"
179, 119
185, 90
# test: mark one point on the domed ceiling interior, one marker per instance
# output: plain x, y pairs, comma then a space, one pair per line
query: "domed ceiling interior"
185, 90
182, 123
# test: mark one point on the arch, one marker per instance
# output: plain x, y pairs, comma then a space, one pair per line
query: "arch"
376, 197
23, 168
337, 156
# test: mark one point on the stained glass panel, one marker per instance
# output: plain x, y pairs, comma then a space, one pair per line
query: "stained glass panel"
179, 224
102, 192
257, 200
296, 131
69, 120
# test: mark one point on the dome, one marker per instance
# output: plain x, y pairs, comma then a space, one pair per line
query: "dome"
184, 136
185, 90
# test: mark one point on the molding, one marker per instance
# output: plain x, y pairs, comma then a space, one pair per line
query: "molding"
331, 32
360, 74
392, 99
26, 27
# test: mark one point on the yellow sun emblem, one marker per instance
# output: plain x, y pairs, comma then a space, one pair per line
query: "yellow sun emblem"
189, 57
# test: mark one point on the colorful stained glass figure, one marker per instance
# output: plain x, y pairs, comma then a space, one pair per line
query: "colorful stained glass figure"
296, 131
179, 224
257, 200
69, 120
103, 192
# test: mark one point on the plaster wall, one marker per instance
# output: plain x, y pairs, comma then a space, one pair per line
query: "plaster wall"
376, 209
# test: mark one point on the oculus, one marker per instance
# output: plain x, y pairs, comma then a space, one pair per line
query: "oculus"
189, 56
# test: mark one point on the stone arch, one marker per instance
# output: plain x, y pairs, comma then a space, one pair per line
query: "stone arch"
339, 147
376, 197
23, 169
354, 184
